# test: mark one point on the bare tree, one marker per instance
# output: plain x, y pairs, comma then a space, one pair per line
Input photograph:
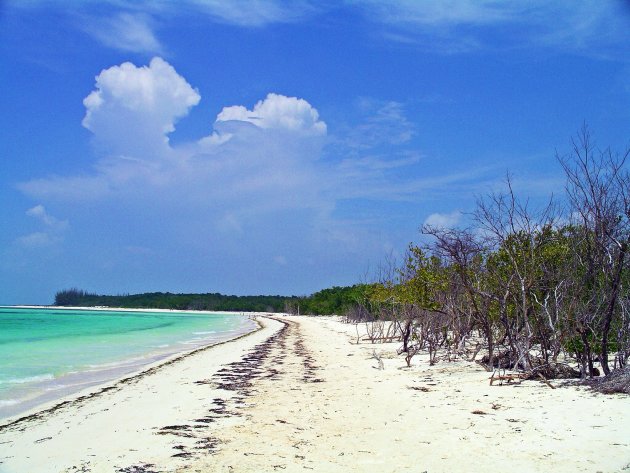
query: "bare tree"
598, 191
517, 236
463, 252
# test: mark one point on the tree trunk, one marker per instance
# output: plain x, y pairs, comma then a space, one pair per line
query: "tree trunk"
611, 308
488, 330
406, 334
587, 353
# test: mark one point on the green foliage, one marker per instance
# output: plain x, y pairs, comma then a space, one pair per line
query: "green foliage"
167, 300
334, 300
421, 279
71, 297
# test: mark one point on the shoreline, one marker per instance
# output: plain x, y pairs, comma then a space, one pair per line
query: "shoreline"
126, 309
320, 402
94, 388
120, 421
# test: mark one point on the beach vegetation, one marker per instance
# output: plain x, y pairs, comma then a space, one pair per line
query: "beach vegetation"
535, 289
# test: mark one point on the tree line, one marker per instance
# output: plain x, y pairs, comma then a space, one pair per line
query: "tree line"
334, 300
166, 300
530, 287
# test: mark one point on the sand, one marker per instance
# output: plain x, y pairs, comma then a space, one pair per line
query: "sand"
300, 395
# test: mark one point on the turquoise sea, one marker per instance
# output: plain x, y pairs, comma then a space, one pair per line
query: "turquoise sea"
47, 353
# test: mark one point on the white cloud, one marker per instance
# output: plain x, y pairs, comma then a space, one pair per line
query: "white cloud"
591, 27
255, 12
230, 224
385, 123
447, 12
72, 188
35, 240
132, 31
440, 220
253, 161
257, 186
124, 31
53, 229
378, 164
133, 109
39, 212
278, 111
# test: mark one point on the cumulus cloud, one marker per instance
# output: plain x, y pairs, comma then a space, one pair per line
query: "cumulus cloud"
134, 107
280, 112
258, 189
259, 186
251, 163
441, 220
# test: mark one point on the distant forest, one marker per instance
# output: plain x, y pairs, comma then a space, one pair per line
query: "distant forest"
335, 300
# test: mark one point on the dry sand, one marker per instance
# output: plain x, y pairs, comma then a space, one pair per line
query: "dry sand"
299, 395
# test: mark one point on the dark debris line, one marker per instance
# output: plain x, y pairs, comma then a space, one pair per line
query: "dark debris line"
238, 379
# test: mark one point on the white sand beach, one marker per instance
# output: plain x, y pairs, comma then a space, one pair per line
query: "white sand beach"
301, 395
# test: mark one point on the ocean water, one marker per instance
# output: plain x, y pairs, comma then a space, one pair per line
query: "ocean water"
46, 354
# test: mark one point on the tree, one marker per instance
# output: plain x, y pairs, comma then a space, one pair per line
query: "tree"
599, 195
463, 252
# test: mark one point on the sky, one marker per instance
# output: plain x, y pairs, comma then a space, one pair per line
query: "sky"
276, 147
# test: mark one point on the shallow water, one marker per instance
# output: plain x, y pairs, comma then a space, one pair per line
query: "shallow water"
48, 353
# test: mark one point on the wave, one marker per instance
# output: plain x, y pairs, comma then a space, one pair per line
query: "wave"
28, 379
122, 363
8, 402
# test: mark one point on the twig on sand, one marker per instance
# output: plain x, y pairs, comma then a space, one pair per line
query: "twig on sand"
378, 358
540, 375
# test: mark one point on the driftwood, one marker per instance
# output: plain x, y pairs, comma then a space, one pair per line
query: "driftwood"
478, 348
554, 370
549, 370
545, 380
378, 358
519, 377
392, 338
509, 377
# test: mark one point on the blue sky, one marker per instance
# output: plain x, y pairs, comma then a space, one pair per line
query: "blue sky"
280, 147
